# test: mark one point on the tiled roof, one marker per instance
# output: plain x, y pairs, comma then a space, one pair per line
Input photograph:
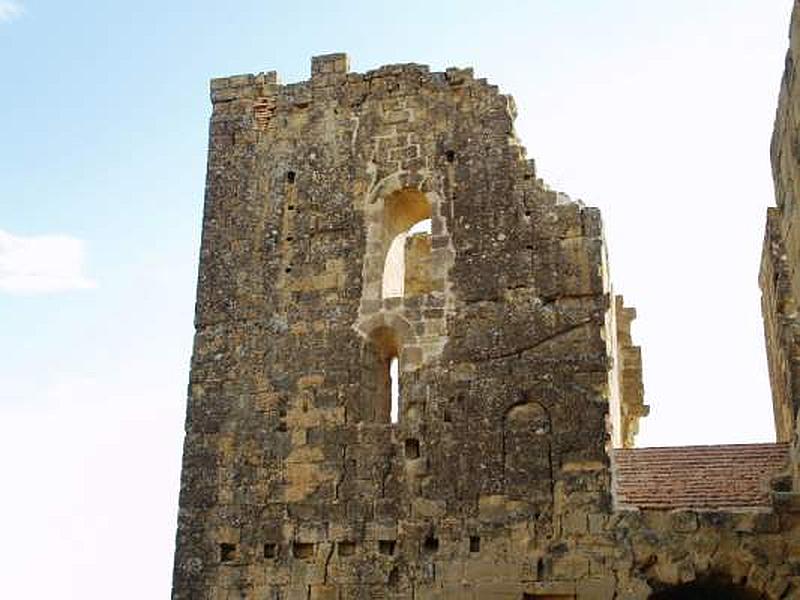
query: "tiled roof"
704, 477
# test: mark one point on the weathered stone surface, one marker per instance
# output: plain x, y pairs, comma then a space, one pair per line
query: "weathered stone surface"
779, 277
489, 474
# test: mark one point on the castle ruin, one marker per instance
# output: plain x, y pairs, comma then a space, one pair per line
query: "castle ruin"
412, 379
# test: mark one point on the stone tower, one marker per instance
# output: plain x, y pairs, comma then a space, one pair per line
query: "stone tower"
409, 371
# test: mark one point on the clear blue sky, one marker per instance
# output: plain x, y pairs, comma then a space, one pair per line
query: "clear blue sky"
657, 112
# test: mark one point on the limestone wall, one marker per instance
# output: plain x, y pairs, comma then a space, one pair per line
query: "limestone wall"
627, 390
503, 366
495, 479
779, 277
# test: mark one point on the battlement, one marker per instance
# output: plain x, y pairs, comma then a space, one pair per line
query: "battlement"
328, 64
334, 69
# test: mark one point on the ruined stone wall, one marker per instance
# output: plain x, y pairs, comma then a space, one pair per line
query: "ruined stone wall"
294, 474
626, 400
779, 278
516, 368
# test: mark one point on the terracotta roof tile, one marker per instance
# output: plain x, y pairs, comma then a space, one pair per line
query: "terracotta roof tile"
705, 477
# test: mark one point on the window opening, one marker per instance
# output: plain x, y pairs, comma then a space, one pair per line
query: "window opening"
302, 550
405, 212
346, 548
412, 448
394, 389
382, 370
227, 552
431, 545
423, 226
394, 270
386, 547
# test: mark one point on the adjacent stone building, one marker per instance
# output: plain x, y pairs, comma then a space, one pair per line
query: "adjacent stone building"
412, 379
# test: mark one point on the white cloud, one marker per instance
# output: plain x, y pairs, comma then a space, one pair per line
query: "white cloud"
9, 10
41, 264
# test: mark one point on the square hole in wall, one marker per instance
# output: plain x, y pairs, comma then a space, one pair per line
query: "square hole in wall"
430, 545
270, 550
302, 550
474, 543
412, 448
227, 552
386, 547
346, 548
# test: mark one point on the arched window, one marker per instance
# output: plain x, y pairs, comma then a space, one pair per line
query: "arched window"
394, 389
382, 377
394, 271
399, 264
406, 213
